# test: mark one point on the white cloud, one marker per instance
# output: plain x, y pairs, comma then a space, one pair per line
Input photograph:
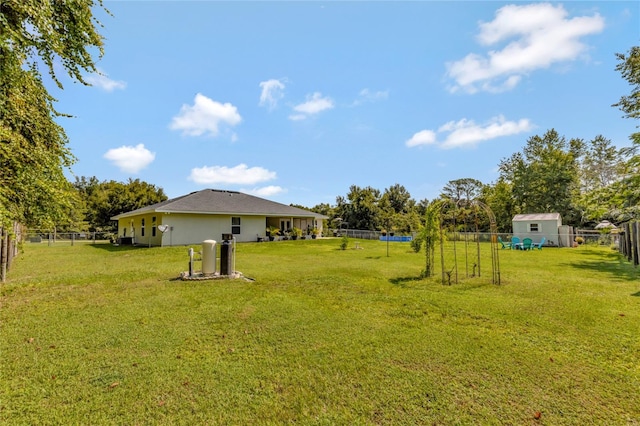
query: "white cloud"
467, 133
265, 191
537, 35
130, 159
101, 80
423, 137
367, 95
240, 175
205, 117
272, 92
297, 117
313, 105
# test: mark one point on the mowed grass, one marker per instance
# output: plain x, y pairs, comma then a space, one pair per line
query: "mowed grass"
108, 335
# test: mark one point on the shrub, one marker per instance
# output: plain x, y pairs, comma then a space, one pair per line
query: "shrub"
344, 242
416, 243
579, 240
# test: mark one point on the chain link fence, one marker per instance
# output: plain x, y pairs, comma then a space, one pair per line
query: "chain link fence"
69, 238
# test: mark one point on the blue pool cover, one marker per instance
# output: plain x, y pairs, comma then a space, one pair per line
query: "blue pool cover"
401, 238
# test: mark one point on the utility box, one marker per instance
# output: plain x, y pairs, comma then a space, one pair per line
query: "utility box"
209, 257
226, 255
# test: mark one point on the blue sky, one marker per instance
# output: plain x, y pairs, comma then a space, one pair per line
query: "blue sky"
297, 101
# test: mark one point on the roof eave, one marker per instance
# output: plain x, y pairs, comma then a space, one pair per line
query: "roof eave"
165, 211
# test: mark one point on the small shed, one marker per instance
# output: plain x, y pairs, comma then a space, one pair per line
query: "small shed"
538, 225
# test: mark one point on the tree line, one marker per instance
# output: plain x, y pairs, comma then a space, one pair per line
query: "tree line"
584, 181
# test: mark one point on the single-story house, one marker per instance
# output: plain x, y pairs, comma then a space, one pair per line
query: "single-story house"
538, 225
207, 215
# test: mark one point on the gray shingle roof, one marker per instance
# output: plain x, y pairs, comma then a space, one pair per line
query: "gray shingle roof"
216, 201
536, 216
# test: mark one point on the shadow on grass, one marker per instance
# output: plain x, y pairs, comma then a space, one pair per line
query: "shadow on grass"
612, 263
403, 281
636, 294
113, 247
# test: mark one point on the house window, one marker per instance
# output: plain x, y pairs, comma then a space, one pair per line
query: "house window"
534, 227
153, 226
142, 229
235, 225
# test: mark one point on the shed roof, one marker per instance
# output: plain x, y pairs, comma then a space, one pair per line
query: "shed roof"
536, 216
216, 201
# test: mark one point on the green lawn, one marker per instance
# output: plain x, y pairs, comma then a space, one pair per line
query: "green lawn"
95, 334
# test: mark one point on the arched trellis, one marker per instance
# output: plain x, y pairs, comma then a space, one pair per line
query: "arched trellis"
470, 211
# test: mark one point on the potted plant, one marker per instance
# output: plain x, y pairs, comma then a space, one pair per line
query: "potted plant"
295, 233
383, 232
314, 233
272, 232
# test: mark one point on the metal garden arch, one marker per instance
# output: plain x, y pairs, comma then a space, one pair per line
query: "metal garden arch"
466, 210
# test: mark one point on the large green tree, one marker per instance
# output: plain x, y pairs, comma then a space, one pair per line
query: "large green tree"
601, 167
33, 152
462, 189
103, 200
53, 32
499, 199
627, 190
459, 195
398, 210
544, 177
60, 34
629, 67
601, 164
360, 209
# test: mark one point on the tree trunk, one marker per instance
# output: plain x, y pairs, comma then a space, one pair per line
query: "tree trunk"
13, 244
4, 253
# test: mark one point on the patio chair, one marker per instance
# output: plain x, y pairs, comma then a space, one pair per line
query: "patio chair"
503, 244
527, 244
515, 243
539, 245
